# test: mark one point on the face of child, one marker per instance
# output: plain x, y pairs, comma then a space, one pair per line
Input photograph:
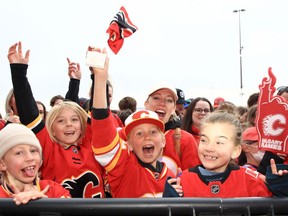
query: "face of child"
21, 164
147, 142
163, 103
216, 147
67, 127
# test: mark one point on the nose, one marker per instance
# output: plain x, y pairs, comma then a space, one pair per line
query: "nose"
29, 156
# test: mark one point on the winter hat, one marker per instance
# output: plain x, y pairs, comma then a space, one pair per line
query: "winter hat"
159, 87
181, 96
15, 134
250, 134
141, 117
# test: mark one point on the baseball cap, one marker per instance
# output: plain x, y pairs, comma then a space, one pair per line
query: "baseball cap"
141, 117
218, 101
159, 87
181, 96
15, 134
250, 133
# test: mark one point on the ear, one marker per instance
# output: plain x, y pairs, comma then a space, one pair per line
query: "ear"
3, 166
145, 104
236, 151
129, 146
163, 141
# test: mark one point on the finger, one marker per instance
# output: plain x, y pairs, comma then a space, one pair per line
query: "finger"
20, 48
14, 189
27, 55
11, 113
273, 166
78, 66
68, 60
45, 189
12, 48
178, 182
171, 181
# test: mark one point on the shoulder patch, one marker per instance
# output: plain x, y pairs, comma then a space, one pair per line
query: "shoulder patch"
252, 173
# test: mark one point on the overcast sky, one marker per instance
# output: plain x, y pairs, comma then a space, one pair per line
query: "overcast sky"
191, 44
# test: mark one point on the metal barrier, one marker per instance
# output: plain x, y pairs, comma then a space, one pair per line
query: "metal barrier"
147, 206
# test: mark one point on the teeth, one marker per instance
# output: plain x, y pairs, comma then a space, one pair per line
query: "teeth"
210, 157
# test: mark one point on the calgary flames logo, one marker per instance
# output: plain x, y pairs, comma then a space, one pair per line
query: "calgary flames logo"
272, 115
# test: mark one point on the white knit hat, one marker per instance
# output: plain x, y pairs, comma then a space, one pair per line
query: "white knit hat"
15, 134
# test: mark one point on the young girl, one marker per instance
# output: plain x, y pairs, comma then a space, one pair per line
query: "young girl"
132, 167
218, 176
66, 138
20, 160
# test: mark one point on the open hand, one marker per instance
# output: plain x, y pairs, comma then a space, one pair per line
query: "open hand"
15, 54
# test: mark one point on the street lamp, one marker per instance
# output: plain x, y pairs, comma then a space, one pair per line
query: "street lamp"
240, 51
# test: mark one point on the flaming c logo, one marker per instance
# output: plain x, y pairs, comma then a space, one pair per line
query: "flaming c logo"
269, 122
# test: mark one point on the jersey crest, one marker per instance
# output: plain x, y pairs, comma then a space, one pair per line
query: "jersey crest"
84, 186
215, 189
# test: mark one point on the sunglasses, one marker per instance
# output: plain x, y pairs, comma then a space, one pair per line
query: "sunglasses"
282, 89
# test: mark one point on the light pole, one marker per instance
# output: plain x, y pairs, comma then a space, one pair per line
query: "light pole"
240, 51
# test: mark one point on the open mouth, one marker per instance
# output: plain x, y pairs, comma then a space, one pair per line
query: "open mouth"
29, 171
148, 150
160, 113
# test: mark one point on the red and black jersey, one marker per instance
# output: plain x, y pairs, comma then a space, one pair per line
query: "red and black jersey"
234, 182
127, 175
55, 190
75, 168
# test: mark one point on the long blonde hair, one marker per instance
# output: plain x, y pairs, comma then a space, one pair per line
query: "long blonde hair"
57, 109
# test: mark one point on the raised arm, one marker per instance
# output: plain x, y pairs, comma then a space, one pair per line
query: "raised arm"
75, 74
25, 102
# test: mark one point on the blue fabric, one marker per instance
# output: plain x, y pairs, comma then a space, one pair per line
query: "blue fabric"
278, 185
169, 191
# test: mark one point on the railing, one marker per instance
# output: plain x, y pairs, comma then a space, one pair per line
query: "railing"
147, 207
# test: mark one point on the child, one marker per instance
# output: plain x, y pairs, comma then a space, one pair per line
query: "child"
20, 160
220, 144
133, 168
65, 139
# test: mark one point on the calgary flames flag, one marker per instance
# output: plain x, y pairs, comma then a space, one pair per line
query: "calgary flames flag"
272, 117
120, 28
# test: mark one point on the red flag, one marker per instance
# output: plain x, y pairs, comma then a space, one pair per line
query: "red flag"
120, 28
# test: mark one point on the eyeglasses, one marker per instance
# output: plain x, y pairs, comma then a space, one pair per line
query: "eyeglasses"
249, 142
199, 110
282, 89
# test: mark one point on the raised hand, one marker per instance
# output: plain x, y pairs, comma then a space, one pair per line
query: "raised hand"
176, 184
275, 171
95, 70
15, 54
74, 70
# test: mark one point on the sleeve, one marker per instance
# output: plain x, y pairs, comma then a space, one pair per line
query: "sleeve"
189, 151
265, 162
73, 90
278, 185
169, 191
25, 102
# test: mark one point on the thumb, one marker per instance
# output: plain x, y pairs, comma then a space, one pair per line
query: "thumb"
178, 182
11, 113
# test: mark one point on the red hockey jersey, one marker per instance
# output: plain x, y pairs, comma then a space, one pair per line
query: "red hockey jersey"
55, 190
234, 182
127, 176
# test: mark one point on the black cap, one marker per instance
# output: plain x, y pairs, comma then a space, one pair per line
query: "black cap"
181, 97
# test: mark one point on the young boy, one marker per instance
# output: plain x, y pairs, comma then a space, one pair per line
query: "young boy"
133, 167
20, 160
